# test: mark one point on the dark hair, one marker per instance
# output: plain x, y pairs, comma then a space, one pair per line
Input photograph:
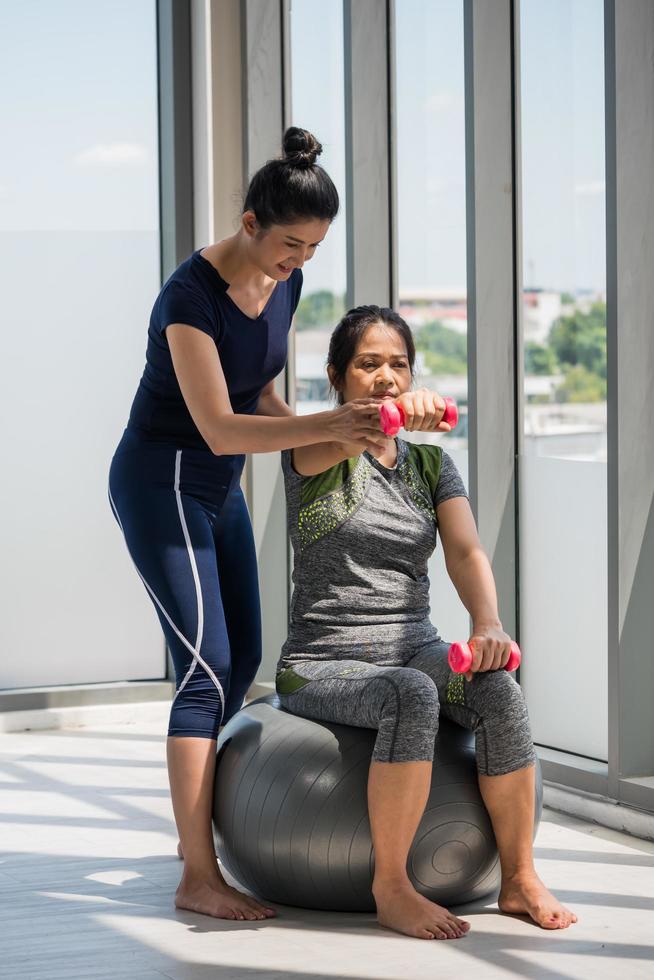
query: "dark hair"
292, 187
347, 334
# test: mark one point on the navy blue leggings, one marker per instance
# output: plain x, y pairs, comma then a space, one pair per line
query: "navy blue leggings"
188, 531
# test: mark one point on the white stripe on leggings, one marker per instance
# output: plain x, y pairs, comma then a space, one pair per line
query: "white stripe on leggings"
194, 570
194, 653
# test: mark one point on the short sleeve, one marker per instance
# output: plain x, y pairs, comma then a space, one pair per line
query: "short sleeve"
182, 302
292, 476
450, 483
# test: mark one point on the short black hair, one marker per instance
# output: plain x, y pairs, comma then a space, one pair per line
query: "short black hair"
292, 187
349, 331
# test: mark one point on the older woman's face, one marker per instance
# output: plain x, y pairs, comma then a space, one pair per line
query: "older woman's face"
380, 366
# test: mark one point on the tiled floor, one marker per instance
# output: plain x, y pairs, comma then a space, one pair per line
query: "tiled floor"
88, 870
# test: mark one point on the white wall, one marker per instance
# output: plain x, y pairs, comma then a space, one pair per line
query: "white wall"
563, 600
74, 610
79, 270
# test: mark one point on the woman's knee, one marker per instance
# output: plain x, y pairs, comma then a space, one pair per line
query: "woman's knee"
504, 742
496, 691
416, 694
197, 712
409, 718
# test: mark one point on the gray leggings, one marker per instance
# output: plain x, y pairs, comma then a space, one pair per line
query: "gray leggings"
403, 704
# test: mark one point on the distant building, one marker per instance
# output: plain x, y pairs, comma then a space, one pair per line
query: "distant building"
448, 305
540, 308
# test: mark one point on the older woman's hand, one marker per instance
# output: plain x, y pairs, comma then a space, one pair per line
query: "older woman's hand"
423, 411
490, 647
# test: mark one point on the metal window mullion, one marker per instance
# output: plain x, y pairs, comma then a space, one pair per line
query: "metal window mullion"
613, 645
290, 375
518, 333
393, 149
174, 90
366, 26
629, 84
491, 276
264, 47
175, 132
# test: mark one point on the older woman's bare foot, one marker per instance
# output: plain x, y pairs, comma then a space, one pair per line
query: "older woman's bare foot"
402, 908
526, 894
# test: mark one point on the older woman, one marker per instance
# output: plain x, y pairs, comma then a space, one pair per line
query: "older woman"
361, 648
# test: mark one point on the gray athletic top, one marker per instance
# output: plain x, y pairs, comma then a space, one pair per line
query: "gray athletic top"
362, 535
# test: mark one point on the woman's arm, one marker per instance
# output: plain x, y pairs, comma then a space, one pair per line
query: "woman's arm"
467, 563
423, 411
309, 460
271, 405
470, 570
203, 386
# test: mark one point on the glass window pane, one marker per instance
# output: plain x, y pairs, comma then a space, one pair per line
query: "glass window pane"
317, 26
563, 524
79, 253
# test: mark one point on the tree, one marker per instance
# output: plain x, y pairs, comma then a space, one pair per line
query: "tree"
581, 385
445, 350
539, 359
580, 339
439, 364
322, 308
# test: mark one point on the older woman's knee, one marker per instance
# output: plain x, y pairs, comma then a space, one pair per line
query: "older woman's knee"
503, 736
498, 694
418, 694
501, 683
409, 718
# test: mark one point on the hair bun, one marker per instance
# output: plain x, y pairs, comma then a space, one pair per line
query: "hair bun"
301, 148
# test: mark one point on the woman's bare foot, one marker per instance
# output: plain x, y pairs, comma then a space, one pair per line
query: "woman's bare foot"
211, 895
527, 895
401, 907
220, 896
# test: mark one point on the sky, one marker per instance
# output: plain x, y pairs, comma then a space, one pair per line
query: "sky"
562, 122
78, 102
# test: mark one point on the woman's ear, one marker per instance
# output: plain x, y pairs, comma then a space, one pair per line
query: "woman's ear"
249, 223
331, 374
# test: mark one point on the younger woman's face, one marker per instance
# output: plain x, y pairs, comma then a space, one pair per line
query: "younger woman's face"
380, 366
280, 249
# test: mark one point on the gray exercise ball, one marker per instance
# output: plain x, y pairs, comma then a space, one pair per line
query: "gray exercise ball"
291, 814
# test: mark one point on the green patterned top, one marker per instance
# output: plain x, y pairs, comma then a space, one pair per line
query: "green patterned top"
362, 535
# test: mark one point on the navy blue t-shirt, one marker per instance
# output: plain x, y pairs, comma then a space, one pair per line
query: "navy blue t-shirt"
252, 351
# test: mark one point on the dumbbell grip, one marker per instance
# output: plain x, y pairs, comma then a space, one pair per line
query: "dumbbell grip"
459, 658
392, 416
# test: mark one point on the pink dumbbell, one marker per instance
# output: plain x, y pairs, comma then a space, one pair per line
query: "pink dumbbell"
392, 416
459, 657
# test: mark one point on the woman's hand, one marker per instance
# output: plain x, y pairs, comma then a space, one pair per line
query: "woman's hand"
490, 647
423, 411
357, 426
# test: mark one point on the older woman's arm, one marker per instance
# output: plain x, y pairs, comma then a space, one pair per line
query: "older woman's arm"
470, 570
466, 561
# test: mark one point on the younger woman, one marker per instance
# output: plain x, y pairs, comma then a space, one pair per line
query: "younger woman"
216, 341
362, 650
